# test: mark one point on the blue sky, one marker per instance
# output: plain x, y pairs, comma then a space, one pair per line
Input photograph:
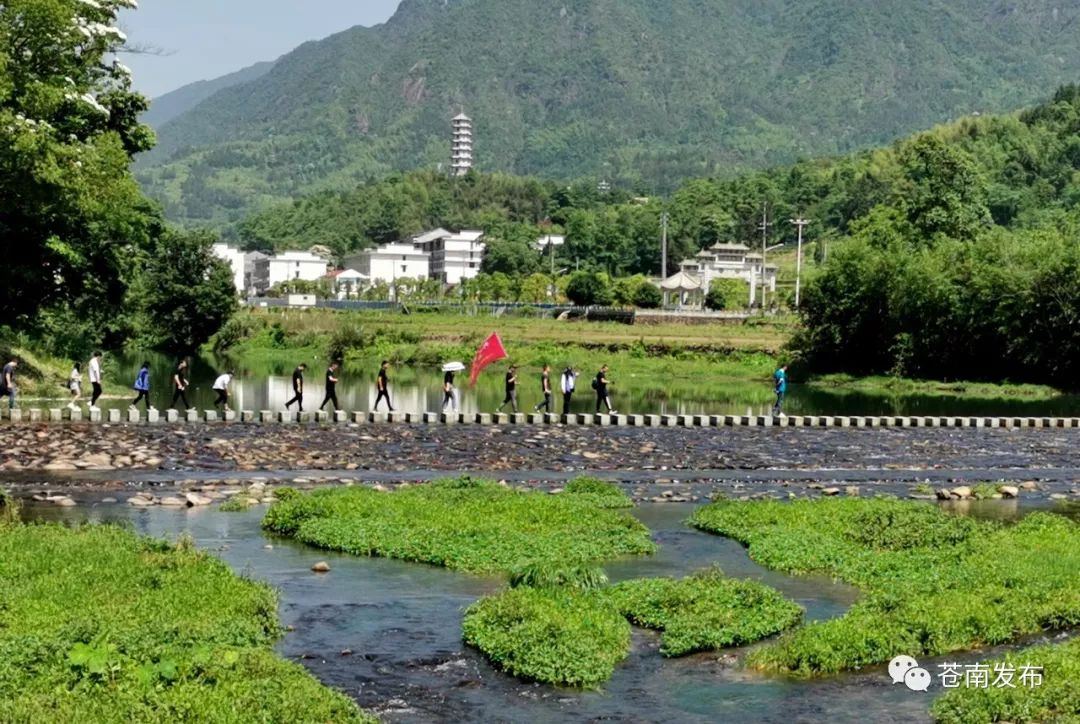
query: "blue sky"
204, 39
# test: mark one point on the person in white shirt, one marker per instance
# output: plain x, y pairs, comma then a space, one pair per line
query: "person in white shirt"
221, 387
569, 381
75, 385
95, 378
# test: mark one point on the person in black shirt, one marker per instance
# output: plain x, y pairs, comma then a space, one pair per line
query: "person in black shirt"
297, 388
382, 383
331, 386
511, 390
545, 387
600, 384
180, 385
448, 391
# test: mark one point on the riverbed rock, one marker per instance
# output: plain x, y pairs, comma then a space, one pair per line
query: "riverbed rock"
943, 494
196, 500
108, 501
321, 567
852, 490
60, 465
140, 502
1009, 491
1059, 496
962, 492
65, 502
830, 491
174, 502
1029, 485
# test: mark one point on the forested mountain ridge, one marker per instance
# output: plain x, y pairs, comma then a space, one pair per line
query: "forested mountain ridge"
175, 103
639, 92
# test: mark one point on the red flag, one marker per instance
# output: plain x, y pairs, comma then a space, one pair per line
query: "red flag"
491, 350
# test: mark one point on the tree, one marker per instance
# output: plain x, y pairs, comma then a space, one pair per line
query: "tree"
72, 214
944, 193
588, 289
513, 257
535, 288
185, 294
727, 294
648, 296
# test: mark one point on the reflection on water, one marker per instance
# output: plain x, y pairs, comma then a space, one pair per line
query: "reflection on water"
267, 387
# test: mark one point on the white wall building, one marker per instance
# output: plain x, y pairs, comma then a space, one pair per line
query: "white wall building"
461, 153
290, 266
454, 257
235, 259
389, 262
724, 261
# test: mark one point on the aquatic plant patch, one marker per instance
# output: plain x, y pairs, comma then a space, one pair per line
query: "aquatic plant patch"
1055, 698
933, 582
463, 524
561, 636
100, 625
601, 493
705, 611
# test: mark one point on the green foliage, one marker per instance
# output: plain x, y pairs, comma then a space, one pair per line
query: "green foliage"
558, 575
185, 293
704, 612
600, 492
933, 583
101, 625
602, 91
727, 294
588, 289
648, 296
1056, 700
70, 210
237, 504
560, 636
461, 524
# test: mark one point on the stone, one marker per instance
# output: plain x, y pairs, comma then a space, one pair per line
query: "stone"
140, 502
321, 567
1059, 496
65, 502
109, 501
1029, 485
830, 491
943, 494
961, 493
196, 500
1009, 491
174, 502
852, 490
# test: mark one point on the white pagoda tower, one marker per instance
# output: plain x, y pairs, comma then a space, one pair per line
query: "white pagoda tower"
461, 157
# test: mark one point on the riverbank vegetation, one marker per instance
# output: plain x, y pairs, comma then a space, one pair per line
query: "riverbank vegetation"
462, 524
704, 612
565, 626
1057, 699
933, 582
99, 624
555, 635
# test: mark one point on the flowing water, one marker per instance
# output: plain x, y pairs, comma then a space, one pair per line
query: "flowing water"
267, 387
388, 632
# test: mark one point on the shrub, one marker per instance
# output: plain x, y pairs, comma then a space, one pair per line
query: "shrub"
648, 296
933, 583
706, 611
464, 524
101, 625
727, 294
601, 493
587, 289
1057, 700
558, 636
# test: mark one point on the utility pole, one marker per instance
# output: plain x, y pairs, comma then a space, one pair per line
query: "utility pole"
664, 218
764, 228
801, 223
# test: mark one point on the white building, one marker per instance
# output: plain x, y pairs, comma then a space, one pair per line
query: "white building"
461, 154
454, 257
290, 266
721, 261
389, 262
235, 259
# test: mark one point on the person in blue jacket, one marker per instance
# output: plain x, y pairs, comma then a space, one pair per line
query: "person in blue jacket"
780, 383
142, 386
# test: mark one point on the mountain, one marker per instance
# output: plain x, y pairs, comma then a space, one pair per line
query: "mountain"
639, 92
175, 103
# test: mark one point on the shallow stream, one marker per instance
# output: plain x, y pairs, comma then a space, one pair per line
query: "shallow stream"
389, 633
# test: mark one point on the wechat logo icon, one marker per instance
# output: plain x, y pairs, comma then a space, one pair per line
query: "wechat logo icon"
905, 670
